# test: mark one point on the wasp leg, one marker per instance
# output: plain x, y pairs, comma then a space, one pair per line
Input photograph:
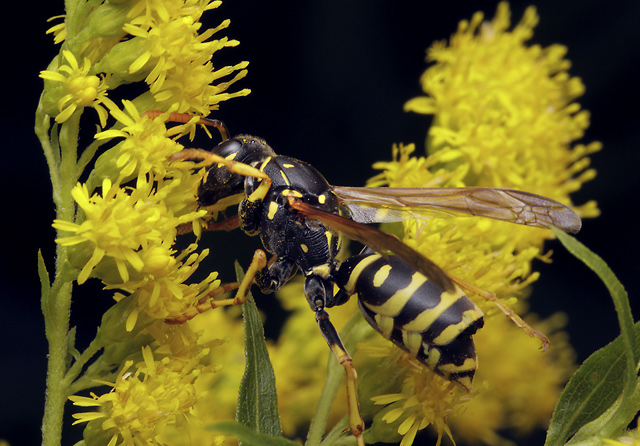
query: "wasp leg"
491, 297
356, 423
184, 118
212, 158
228, 224
250, 209
257, 264
277, 274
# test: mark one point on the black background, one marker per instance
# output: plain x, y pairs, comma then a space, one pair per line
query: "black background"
328, 81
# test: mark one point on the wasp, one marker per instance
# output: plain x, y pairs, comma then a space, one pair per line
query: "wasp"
302, 220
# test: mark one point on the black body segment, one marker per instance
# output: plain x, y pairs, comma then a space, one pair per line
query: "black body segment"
283, 233
415, 313
433, 325
219, 182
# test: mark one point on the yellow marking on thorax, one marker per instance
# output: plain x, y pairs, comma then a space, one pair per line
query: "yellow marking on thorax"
304, 247
273, 208
357, 270
322, 198
265, 162
322, 270
381, 275
291, 193
288, 166
395, 303
424, 320
452, 331
284, 177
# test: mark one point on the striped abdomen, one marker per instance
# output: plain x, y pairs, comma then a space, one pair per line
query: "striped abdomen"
434, 326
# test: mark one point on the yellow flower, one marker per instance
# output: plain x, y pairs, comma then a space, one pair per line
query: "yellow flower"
119, 225
178, 59
134, 203
156, 394
145, 150
503, 116
518, 384
59, 31
162, 292
425, 399
505, 109
146, 146
222, 331
78, 89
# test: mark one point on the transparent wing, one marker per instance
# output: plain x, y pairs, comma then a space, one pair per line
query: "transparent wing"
377, 240
386, 204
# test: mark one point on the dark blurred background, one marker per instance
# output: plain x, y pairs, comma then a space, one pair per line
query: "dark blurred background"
328, 82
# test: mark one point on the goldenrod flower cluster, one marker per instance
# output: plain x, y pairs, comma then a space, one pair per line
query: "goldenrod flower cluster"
134, 200
503, 115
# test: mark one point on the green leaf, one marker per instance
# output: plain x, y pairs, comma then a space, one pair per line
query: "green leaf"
608, 374
257, 399
618, 295
593, 389
45, 284
248, 435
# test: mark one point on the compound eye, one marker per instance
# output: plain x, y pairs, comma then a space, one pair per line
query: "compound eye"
228, 149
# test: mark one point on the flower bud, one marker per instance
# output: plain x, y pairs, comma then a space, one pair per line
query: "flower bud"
108, 19
118, 60
381, 431
106, 167
116, 321
95, 435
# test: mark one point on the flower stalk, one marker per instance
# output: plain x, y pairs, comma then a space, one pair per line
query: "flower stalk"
142, 264
56, 303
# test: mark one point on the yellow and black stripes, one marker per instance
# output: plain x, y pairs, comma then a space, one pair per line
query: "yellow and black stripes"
433, 325
301, 219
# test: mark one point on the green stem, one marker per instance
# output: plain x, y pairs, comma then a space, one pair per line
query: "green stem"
57, 324
335, 373
56, 304
76, 368
336, 435
352, 333
42, 126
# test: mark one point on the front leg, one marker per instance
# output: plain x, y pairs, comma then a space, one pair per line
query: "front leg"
258, 264
250, 210
279, 272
